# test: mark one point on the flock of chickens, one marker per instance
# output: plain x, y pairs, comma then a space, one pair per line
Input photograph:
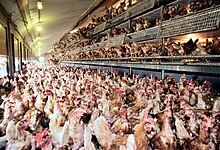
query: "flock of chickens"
138, 24
82, 109
109, 13
72, 108
171, 48
192, 47
193, 6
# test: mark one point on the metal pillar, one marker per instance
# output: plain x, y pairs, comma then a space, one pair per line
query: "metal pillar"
9, 51
162, 74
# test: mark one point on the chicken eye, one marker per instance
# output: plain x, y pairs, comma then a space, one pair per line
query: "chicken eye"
148, 123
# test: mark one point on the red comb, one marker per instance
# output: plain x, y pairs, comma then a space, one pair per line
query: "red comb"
39, 136
12, 93
83, 106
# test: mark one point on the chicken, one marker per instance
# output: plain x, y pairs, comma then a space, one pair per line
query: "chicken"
130, 144
88, 145
59, 127
156, 102
76, 130
182, 132
139, 103
33, 116
7, 116
94, 115
141, 139
48, 109
216, 106
121, 7
193, 6
189, 46
201, 50
172, 11
201, 104
138, 140
147, 24
78, 86
23, 138
19, 108
139, 24
158, 21
121, 125
193, 127
3, 63
203, 141
216, 45
10, 130
43, 140
120, 142
60, 135
103, 105
102, 132
109, 110
39, 104
165, 139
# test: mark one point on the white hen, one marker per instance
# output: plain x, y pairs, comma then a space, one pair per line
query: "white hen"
102, 132
10, 130
130, 143
39, 104
59, 133
88, 145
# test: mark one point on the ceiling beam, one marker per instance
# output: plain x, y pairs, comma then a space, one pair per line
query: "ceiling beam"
20, 4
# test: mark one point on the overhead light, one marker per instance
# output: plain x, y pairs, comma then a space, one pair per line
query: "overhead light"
192, 36
39, 4
39, 43
41, 59
39, 28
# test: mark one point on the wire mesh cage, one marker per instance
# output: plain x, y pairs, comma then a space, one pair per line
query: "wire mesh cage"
139, 8
116, 41
116, 20
143, 35
90, 32
100, 28
94, 46
204, 20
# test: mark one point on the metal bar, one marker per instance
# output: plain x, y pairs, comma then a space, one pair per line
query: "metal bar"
155, 57
177, 68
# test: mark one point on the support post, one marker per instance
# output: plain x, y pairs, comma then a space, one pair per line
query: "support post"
9, 50
162, 74
163, 46
130, 25
21, 55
